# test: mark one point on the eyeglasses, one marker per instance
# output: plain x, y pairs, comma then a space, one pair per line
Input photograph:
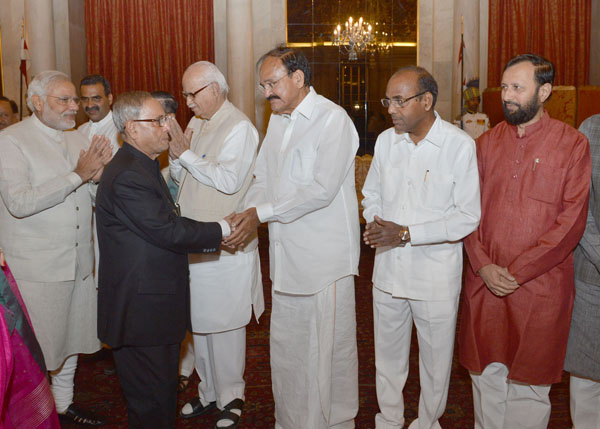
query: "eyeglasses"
399, 102
162, 120
94, 98
270, 85
193, 94
65, 100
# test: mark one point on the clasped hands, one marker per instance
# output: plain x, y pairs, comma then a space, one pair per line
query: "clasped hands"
91, 162
382, 233
498, 280
242, 226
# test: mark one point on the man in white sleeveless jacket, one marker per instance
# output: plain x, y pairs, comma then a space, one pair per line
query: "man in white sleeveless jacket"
213, 163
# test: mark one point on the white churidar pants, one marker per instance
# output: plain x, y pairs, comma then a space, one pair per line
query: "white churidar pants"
221, 306
220, 363
435, 322
585, 402
501, 403
314, 363
63, 382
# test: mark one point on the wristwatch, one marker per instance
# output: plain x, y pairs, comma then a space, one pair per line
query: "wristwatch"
404, 235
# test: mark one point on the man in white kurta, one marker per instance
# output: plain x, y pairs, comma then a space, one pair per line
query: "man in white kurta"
304, 189
45, 228
213, 170
96, 98
421, 199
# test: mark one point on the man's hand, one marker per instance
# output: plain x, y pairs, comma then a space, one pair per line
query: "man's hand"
381, 233
92, 161
224, 244
180, 141
243, 224
498, 280
2, 261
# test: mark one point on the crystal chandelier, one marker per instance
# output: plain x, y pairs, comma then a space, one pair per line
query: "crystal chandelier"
355, 37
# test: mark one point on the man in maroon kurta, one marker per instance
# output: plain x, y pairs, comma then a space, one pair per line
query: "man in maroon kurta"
535, 176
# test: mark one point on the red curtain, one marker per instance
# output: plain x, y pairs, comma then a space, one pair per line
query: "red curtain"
148, 44
559, 30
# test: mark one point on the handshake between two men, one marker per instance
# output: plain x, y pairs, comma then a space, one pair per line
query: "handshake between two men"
243, 225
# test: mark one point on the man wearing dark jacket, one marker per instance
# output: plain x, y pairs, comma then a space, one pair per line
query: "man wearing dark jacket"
143, 292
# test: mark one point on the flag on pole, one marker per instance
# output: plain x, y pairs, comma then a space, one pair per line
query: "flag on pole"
24, 59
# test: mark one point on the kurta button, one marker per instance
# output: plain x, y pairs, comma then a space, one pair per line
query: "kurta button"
518, 161
77, 208
515, 176
77, 226
76, 244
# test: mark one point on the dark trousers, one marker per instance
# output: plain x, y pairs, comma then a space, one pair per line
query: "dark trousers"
148, 377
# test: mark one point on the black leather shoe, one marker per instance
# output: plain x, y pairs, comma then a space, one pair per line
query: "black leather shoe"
197, 408
74, 414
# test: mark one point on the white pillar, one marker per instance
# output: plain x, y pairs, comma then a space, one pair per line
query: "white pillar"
466, 15
39, 24
435, 48
240, 55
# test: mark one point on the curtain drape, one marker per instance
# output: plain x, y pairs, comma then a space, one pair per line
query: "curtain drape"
559, 30
148, 44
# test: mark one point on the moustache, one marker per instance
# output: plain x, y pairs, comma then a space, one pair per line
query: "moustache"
69, 113
92, 109
273, 97
510, 103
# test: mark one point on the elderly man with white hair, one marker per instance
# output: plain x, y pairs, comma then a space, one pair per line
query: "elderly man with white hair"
213, 163
45, 228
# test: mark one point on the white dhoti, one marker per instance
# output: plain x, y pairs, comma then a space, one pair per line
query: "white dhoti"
500, 403
585, 402
223, 290
435, 322
314, 363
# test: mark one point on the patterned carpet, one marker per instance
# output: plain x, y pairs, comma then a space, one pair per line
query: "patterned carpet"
101, 392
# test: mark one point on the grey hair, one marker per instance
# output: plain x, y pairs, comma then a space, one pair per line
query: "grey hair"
211, 73
40, 83
128, 106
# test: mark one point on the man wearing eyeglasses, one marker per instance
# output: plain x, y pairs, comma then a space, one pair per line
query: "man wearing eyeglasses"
143, 290
304, 189
45, 228
213, 168
421, 199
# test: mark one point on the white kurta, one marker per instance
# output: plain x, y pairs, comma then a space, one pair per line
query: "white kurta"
223, 287
104, 127
433, 187
304, 188
45, 231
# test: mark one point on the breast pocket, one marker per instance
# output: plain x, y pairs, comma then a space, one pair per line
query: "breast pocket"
438, 190
391, 188
547, 183
302, 165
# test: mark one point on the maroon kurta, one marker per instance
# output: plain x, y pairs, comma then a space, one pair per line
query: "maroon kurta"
534, 199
